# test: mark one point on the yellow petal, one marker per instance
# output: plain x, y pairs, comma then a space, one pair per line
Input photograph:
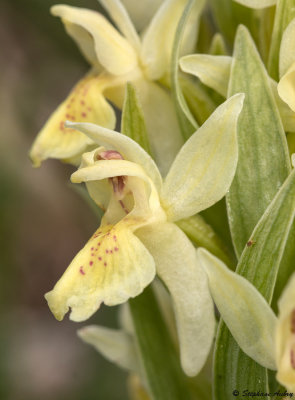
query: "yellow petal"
285, 337
158, 39
84, 103
112, 267
245, 311
205, 166
120, 16
128, 148
146, 200
115, 345
287, 49
257, 4
286, 87
213, 71
112, 50
177, 266
161, 122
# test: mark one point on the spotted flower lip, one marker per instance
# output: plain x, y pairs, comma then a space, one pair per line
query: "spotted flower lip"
137, 237
117, 57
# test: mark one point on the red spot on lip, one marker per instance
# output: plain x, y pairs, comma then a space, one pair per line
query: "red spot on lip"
111, 251
107, 251
91, 263
116, 249
81, 271
105, 264
83, 114
92, 248
89, 108
292, 359
99, 258
115, 237
82, 102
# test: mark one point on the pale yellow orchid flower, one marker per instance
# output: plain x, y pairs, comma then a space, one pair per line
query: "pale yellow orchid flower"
268, 339
116, 57
138, 237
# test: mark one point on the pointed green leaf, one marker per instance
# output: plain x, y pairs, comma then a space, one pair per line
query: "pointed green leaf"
272, 242
285, 12
186, 120
132, 123
263, 163
218, 46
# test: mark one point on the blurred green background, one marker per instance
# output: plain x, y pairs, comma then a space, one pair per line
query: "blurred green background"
43, 221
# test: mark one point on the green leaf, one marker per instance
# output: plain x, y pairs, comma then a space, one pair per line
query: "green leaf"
285, 12
218, 46
160, 361
202, 235
132, 122
263, 155
187, 123
260, 263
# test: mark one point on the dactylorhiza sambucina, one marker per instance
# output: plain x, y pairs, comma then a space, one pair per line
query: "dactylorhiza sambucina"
138, 238
117, 57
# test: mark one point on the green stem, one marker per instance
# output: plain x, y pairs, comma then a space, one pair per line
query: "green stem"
159, 357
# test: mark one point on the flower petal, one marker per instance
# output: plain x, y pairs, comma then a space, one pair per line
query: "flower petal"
161, 122
287, 115
205, 166
129, 149
146, 208
120, 16
85, 102
257, 3
112, 267
285, 336
115, 345
213, 71
244, 310
177, 266
286, 87
287, 48
112, 50
158, 39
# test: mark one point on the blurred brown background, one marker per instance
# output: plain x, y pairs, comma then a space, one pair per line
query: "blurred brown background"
44, 222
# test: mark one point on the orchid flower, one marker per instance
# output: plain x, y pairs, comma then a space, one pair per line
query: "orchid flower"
268, 339
138, 237
116, 57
